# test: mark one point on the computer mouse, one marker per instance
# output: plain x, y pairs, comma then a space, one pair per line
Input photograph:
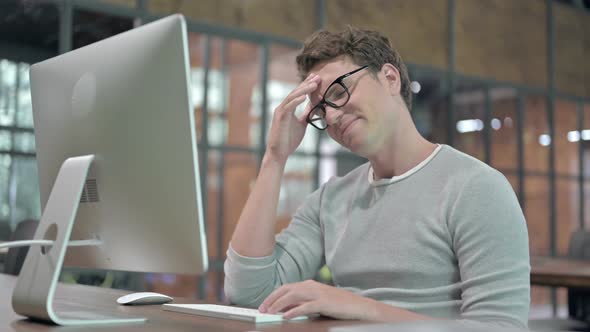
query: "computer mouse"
144, 298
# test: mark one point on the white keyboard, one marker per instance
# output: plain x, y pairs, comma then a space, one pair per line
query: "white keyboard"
227, 312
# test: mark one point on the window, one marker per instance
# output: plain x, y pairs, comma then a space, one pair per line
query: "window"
19, 187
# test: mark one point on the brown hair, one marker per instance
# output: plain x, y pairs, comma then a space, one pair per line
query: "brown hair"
364, 47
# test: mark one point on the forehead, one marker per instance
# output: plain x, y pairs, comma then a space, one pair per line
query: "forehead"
331, 70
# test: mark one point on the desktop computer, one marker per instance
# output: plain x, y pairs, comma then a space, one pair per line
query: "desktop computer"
117, 163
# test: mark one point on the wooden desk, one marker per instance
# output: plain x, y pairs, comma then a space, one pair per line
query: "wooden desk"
158, 319
560, 272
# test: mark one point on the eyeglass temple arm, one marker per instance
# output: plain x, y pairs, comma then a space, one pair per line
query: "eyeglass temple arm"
353, 72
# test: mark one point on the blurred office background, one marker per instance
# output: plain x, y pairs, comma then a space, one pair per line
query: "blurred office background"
505, 81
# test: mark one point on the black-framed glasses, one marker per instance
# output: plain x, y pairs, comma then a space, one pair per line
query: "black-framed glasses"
336, 96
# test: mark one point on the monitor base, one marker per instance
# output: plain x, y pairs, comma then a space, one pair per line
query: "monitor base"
34, 292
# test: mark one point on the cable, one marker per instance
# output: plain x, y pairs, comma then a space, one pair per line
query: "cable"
26, 243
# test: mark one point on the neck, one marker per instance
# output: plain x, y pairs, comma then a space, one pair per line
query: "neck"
402, 151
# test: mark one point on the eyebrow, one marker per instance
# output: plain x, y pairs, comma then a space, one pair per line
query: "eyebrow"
346, 75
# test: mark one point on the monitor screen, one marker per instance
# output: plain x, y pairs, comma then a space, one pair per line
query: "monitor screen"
126, 100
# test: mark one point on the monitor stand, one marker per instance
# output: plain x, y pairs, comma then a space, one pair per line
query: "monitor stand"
34, 292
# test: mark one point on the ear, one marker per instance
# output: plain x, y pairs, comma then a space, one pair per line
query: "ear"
392, 78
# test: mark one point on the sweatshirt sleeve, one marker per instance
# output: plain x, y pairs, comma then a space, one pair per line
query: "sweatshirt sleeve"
490, 240
297, 256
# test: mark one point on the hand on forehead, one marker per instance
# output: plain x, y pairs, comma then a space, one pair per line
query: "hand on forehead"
328, 71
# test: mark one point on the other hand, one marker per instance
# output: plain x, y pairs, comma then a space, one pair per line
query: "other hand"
311, 297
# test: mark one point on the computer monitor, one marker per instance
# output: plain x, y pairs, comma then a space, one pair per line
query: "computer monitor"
117, 164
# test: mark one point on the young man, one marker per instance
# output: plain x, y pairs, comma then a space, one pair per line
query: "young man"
421, 231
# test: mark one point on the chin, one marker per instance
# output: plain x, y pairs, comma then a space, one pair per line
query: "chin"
366, 146
355, 146
359, 147
363, 151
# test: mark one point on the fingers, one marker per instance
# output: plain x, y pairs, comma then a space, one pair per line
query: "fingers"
289, 307
313, 77
305, 88
283, 303
277, 293
301, 91
294, 103
307, 308
303, 117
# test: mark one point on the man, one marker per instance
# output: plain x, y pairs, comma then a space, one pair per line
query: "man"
421, 231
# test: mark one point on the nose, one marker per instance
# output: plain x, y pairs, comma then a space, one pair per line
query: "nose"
333, 115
